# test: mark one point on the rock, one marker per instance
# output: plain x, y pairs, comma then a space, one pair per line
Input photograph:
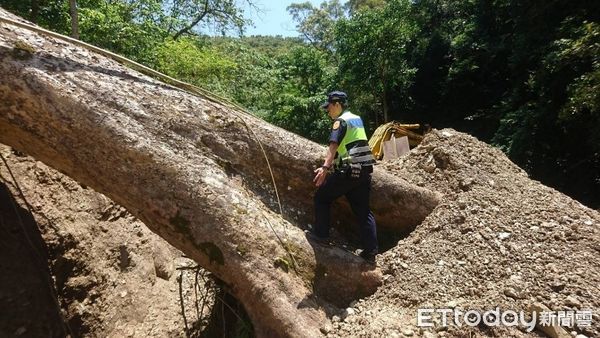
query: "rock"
428, 334
429, 165
504, 235
510, 292
465, 185
581, 336
572, 301
326, 329
565, 220
548, 224
557, 286
553, 331
452, 304
408, 332
163, 262
349, 312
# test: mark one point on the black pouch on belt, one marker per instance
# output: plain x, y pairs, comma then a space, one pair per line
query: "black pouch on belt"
355, 169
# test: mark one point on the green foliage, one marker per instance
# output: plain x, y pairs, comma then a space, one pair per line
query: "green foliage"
304, 76
524, 75
51, 14
374, 49
581, 51
354, 6
186, 60
284, 85
189, 16
317, 24
121, 27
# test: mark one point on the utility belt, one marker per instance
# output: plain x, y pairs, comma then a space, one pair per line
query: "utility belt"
353, 170
359, 161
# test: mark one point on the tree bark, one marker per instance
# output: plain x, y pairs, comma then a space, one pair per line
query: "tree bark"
74, 19
35, 10
193, 172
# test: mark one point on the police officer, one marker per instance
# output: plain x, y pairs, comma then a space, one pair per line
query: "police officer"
352, 162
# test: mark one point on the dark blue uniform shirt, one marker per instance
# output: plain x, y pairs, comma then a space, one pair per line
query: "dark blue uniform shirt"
338, 131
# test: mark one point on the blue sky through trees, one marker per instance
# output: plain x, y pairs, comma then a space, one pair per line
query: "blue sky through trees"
274, 18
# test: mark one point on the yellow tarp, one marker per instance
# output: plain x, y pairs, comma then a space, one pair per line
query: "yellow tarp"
385, 131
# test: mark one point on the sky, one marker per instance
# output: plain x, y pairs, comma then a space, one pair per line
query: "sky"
274, 19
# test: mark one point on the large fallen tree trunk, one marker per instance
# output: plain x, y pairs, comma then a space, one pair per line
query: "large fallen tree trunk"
193, 172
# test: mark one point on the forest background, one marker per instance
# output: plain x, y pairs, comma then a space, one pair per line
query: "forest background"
523, 75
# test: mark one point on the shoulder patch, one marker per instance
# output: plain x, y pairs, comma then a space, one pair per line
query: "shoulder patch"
336, 125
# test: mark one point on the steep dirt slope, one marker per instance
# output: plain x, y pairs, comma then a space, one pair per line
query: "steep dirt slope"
115, 278
498, 239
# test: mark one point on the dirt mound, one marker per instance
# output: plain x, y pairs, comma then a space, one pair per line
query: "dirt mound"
114, 277
498, 239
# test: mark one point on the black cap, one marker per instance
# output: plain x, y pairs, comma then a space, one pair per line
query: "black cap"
335, 96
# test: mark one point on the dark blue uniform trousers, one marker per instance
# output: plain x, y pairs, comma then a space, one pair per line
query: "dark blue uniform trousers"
357, 191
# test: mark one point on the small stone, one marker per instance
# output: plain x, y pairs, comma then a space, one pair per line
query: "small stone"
452, 304
572, 301
465, 185
504, 235
557, 286
510, 292
123, 294
20, 331
350, 311
581, 336
326, 329
163, 262
565, 220
428, 334
335, 319
588, 222
573, 333
408, 332
548, 225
